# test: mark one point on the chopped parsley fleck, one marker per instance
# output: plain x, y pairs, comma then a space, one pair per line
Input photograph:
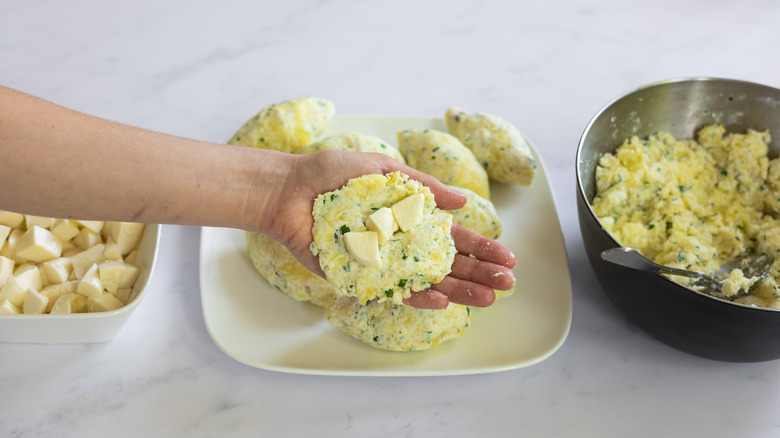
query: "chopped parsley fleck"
651, 226
389, 293
344, 229
416, 259
669, 225
680, 256
402, 282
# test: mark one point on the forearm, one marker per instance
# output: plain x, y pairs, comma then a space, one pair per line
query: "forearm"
61, 163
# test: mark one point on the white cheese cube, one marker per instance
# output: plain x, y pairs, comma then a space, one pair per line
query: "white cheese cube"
29, 276
94, 226
127, 235
364, 247
4, 232
112, 250
38, 245
6, 269
103, 303
10, 219
129, 276
69, 303
9, 248
9, 308
85, 259
408, 212
90, 285
65, 229
13, 291
123, 294
111, 273
55, 291
383, 222
40, 221
130, 258
69, 249
34, 302
87, 238
57, 270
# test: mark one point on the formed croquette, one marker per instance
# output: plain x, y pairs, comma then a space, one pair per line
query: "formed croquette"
353, 141
410, 261
497, 144
285, 273
445, 157
286, 126
478, 215
398, 327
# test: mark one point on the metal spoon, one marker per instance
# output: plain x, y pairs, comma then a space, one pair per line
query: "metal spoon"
752, 265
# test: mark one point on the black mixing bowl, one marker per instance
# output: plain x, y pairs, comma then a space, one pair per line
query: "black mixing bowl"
681, 317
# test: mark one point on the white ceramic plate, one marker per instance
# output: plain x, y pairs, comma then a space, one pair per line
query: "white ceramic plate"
255, 324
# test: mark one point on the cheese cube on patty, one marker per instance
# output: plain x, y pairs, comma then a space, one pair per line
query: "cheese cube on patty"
364, 246
409, 212
383, 222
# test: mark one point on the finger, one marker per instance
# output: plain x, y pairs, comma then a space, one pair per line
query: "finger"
470, 243
489, 274
466, 292
427, 299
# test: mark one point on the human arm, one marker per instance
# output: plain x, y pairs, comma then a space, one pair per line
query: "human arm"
62, 163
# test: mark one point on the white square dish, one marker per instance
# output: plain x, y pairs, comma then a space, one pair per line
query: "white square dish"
255, 324
85, 327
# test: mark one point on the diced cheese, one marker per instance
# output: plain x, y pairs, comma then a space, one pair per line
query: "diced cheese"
90, 285
38, 245
57, 270
6, 269
408, 212
129, 276
29, 276
34, 302
111, 273
4, 232
9, 308
85, 259
70, 303
123, 294
127, 235
383, 222
87, 238
9, 248
14, 291
40, 221
11, 219
103, 303
65, 229
112, 250
130, 258
54, 291
364, 247
94, 226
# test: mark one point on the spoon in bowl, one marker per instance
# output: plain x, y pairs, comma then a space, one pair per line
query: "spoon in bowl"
752, 265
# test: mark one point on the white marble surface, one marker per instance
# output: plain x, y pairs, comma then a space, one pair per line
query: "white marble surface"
196, 69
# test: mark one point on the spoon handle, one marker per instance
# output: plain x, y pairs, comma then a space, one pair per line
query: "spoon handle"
631, 259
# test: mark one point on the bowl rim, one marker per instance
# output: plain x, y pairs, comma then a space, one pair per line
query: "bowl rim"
583, 196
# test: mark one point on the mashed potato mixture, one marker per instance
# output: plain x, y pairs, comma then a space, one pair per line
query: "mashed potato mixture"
695, 204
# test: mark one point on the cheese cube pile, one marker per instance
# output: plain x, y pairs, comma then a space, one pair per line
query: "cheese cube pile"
58, 266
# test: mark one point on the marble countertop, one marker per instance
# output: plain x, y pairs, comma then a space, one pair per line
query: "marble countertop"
198, 69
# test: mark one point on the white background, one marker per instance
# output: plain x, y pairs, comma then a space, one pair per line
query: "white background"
200, 69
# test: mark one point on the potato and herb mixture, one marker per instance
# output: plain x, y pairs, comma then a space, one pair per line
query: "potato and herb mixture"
696, 204
61, 266
380, 236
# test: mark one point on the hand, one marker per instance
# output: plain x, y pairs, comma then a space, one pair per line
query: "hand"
480, 266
